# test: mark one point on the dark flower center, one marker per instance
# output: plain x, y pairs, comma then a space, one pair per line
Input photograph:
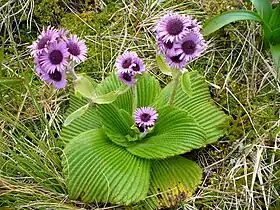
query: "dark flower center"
56, 57
42, 43
176, 59
56, 76
73, 49
174, 26
135, 67
189, 47
126, 63
145, 117
168, 44
127, 77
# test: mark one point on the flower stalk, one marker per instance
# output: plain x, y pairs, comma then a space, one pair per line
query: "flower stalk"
176, 77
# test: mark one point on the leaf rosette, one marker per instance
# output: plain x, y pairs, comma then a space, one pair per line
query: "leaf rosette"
107, 160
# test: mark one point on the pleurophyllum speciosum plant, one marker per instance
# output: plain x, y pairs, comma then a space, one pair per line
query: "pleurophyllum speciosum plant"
124, 136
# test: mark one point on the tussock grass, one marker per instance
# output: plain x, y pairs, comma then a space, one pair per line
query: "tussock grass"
241, 171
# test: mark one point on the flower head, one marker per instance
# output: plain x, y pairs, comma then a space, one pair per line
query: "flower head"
44, 39
56, 78
127, 78
76, 48
55, 58
145, 117
176, 61
172, 27
194, 25
191, 46
165, 47
124, 61
137, 66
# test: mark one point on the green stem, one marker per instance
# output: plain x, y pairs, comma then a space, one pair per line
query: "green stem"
134, 94
72, 72
175, 85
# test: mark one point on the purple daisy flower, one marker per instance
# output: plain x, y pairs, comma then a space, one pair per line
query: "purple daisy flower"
44, 39
176, 61
172, 27
191, 46
137, 66
194, 25
55, 58
56, 78
165, 47
127, 78
145, 117
77, 49
124, 61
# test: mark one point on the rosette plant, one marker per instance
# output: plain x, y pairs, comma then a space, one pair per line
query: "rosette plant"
124, 136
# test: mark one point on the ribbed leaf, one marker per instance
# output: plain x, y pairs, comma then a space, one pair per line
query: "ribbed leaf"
199, 106
115, 123
264, 9
148, 89
98, 170
175, 133
228, 17
173, 180
111, 83
186, 83
89, 120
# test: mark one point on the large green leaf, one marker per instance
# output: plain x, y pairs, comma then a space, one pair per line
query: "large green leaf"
76, 114
275, 36
89, 120
173, 180
111, 83
199, 105
175, 133
97, 170
116, 124
228, 17
275, 51
148, 89
84, 86
264, 9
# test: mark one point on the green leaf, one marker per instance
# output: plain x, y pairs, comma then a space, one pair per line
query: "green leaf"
264, 9
173, 180
163, 67
84, 86
275, 52
110, 97
274, 21
110, 84
186, 83
175, 133
115, 124
148, 89
228, 17
89, 120
76, 114
97, 170
199, 106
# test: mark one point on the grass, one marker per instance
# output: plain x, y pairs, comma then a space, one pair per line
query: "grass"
241, 171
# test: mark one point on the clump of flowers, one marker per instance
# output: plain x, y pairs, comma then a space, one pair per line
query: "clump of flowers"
179, 39
129, 65
55, 53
